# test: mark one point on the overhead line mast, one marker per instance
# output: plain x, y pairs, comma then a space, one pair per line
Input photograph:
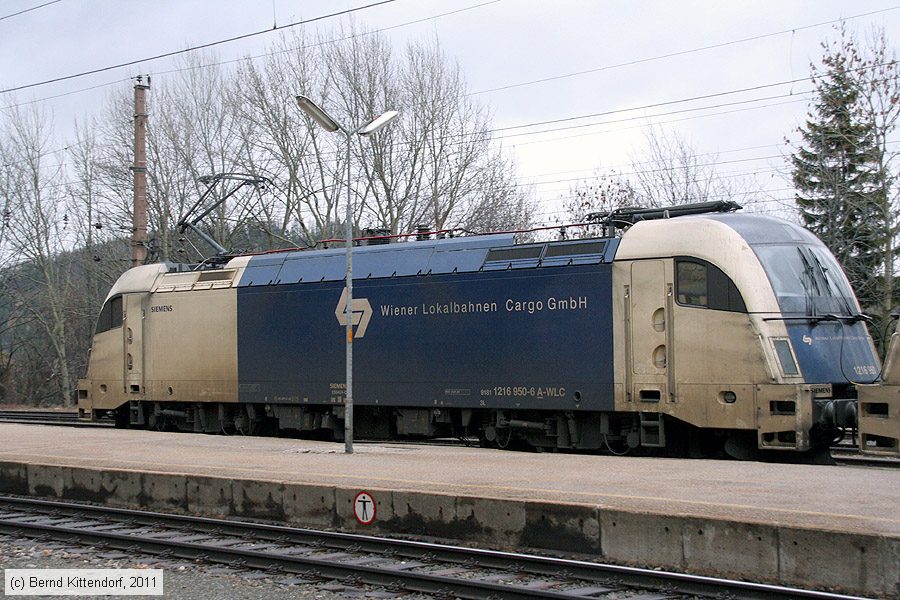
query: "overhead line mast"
139, 169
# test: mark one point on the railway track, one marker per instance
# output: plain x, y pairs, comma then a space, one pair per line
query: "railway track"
851, 456
842, 454
48, 417
358, 560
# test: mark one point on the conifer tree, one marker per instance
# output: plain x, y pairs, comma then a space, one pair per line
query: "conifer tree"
838, 174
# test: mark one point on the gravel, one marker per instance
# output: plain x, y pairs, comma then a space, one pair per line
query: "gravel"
182, 579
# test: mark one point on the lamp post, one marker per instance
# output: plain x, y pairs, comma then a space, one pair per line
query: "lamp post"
324, 120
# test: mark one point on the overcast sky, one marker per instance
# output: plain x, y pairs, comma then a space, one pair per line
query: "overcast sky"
509, 44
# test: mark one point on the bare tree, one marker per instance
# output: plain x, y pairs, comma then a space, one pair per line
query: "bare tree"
100, 253
305, 166
606, 192
499, 203
439, 165
201, 129
435, 166
36, 231
667, 171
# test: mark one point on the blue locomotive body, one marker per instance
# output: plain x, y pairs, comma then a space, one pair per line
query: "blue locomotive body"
530, 338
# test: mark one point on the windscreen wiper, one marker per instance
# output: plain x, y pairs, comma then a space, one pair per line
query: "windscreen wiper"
855, 318
809, 283
824, 274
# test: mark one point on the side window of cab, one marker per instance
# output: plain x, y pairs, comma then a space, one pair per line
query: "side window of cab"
110, 315
701, 284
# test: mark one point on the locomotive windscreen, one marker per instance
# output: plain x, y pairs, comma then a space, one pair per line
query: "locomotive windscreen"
816, 301
807, 280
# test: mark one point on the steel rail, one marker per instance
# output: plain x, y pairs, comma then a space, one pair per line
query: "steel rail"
46, 415
64, 419
83, 424
255, 559
851, 455
603, 574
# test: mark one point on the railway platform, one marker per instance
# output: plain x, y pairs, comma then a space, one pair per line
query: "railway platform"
822, 527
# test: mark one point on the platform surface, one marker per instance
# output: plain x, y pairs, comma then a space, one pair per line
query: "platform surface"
847, 499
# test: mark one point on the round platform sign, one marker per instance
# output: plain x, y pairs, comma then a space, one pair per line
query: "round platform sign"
364, 508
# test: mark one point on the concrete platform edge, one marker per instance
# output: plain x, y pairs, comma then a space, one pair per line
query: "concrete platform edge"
856, 564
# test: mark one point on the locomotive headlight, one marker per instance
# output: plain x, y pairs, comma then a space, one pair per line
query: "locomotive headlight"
729, 397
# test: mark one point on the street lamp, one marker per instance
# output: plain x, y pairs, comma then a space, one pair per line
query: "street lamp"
315, 112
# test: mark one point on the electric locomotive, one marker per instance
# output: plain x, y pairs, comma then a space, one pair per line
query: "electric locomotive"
688, 335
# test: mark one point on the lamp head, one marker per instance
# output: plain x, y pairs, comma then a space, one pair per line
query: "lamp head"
316, 113
378, 123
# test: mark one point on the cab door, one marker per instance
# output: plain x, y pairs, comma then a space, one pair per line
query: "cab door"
135, 306
650, 333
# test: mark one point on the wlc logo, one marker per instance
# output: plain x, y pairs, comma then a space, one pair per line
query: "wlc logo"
361, 311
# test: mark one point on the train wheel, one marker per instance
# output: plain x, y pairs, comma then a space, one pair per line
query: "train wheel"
122, 417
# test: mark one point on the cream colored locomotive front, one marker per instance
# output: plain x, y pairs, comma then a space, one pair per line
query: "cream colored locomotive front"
710, 368
163, 341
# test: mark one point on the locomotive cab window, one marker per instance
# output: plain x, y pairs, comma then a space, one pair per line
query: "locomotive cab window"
110, 315
702, 284
692, 284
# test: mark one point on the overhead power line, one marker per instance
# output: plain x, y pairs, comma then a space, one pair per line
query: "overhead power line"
27, 10
200, 47
63, 94
645, 125
638, 117
682, 101
661, 104
658, 170
256, 56
633, 164
327, 42
461, 137
680, 52
614, 172
553, 129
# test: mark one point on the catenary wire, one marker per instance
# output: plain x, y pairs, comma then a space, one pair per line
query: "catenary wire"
254, 57
577, 117
514, 85
28, 10
327, 42
568, 127
623, 119
200, 47
550, 130
637, 117
681, 52
658, 104
607, 168
643, 126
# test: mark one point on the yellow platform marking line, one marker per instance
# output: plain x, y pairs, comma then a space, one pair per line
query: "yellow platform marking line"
440, 484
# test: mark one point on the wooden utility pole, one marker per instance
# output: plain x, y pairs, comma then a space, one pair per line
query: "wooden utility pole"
139, 222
